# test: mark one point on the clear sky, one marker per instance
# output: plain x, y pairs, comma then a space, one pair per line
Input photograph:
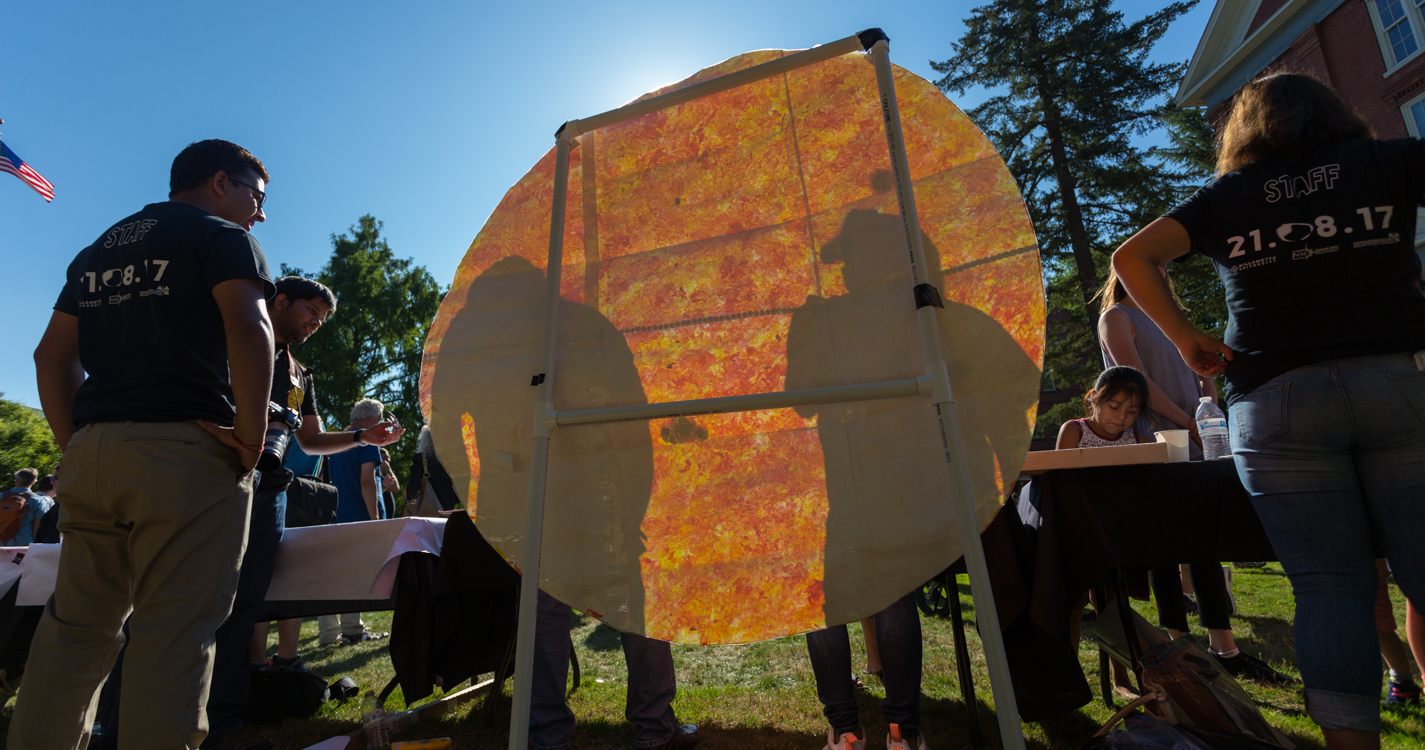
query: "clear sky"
420, 113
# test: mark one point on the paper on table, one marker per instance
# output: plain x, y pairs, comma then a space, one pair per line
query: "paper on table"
37, 575
350, 560
12, 562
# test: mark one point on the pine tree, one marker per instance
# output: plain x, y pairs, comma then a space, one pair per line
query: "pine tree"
1076, 91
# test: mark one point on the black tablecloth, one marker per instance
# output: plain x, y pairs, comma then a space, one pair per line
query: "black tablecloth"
1074, 527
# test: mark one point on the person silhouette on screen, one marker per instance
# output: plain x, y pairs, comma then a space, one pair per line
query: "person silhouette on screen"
599, 479
876, 525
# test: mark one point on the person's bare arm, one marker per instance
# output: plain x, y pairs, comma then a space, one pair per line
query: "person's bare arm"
1069, 434
317, 443
369, 491
59, 374
388, 477
250, 357
1136, 262
1115, 330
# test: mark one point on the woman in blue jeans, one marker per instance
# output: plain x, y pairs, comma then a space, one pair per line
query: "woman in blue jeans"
1309, 223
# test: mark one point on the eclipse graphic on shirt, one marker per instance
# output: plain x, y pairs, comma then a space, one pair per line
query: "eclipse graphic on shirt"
1292, 232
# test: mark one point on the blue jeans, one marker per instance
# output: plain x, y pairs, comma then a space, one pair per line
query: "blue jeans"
899, 643
1333, 454
651, 683
232, 670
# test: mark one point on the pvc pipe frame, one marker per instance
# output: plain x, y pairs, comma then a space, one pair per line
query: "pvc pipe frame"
935, 383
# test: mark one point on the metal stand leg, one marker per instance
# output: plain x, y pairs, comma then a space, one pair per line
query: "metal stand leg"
962, 662
534, 521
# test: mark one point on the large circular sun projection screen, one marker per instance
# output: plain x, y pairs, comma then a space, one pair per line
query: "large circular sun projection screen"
743, 243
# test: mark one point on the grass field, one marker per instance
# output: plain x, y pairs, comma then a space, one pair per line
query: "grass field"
762, 694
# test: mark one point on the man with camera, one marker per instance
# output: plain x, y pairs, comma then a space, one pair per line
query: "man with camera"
297, 310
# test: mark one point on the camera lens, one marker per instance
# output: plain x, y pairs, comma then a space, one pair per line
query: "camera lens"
274, 447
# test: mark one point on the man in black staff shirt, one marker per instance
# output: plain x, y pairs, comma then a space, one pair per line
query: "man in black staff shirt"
297, 310
166, 315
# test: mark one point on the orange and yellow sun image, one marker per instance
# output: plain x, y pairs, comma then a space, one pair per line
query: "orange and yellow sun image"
745, 242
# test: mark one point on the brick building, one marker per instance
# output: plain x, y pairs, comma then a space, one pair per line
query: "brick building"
1371, 51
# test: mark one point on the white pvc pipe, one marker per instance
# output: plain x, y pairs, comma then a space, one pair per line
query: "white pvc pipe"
750, 402
1006, 708
534, 520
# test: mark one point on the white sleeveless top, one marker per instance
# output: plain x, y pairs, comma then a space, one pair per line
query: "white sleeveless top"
1090, 439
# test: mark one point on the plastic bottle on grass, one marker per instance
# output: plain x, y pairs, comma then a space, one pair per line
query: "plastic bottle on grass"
373, 720
1212, 428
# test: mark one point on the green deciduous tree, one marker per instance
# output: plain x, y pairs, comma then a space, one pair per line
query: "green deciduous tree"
372, 346
25, 440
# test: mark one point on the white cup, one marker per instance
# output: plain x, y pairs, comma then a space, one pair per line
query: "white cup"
1177, 441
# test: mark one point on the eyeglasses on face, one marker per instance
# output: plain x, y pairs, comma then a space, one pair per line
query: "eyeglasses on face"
261, 195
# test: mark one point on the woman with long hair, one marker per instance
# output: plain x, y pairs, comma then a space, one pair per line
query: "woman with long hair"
1310, 223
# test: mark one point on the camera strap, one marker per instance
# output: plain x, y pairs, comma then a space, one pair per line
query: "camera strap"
294, 374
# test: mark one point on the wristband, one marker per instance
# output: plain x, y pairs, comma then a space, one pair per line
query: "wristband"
357, 436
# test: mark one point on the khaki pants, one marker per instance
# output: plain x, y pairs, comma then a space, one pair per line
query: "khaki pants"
330, 629
154, 518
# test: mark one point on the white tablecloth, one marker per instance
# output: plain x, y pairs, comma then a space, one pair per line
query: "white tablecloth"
341, 561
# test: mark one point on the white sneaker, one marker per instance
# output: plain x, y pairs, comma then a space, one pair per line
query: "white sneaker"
894, 741
847, 741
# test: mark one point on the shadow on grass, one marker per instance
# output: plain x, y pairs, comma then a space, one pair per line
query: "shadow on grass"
351, 660
603, 638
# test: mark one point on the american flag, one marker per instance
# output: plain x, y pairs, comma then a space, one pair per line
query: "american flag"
12, 163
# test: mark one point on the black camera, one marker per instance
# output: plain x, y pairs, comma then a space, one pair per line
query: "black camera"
281, 421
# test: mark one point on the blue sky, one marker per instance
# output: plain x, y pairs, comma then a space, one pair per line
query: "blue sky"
420, 113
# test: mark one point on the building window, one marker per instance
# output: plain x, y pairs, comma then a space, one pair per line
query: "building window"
1415, 116
1400, 27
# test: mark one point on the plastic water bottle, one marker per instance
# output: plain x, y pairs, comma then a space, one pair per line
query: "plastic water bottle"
1212, 428
373, 721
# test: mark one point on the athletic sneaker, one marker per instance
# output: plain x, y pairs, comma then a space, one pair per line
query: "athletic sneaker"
894, 741
847, 741
1402, 694
1252, 668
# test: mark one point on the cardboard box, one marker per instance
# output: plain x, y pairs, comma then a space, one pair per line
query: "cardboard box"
1038, 462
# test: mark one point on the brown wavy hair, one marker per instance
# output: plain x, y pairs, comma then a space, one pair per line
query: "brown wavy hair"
1281, 115
1113, 292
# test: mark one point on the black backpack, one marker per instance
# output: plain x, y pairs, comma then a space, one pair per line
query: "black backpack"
278, 694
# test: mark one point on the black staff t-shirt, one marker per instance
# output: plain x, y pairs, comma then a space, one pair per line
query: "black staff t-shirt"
150, 333
1316, 254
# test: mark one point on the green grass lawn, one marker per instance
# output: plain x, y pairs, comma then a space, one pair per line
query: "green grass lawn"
762, 694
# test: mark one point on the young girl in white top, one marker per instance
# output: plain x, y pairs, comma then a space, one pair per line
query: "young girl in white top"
1113, 405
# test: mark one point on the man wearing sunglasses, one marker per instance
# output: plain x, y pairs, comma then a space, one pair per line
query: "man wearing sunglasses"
154, 375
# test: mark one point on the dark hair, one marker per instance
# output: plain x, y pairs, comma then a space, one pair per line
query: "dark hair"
1283, 115
25, 477
1114, 381
296, 287
45, 483
203, 159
